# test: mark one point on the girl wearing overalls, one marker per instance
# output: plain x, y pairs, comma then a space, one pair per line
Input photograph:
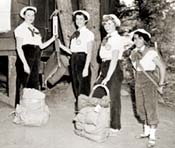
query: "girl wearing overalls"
145, 58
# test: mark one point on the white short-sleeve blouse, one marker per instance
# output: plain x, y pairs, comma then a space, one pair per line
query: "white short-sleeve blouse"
114, 42
80, 44
23, 32
147, 61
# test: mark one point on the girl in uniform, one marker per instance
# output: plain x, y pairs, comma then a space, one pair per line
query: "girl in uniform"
145, 91
111, 74
81, 46
28, 42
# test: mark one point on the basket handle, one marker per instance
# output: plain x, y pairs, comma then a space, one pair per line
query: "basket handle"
99, 85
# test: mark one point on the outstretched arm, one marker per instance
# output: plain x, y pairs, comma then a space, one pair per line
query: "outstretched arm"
47, 43
64, 48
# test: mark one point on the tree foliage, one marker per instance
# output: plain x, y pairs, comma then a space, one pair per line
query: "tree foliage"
157, 17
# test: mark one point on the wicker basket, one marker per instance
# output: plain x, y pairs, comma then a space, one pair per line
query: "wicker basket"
84, 101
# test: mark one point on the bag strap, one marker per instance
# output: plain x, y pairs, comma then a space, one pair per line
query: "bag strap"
150, 78
146, 74
99, 85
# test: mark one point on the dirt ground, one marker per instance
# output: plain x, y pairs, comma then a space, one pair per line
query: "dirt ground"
58, 132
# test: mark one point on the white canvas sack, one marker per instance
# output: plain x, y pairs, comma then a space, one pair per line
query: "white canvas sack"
32, 109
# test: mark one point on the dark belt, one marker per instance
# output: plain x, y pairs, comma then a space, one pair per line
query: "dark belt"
79, 53
30, 45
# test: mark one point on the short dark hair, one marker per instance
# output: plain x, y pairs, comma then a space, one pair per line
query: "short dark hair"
29, 9
140, 34
80, 13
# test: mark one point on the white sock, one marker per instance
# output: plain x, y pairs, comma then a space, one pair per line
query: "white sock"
146, 129
152, 133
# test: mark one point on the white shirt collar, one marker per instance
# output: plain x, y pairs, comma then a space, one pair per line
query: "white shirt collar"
27, 25
82, 28
113, 33
140, 49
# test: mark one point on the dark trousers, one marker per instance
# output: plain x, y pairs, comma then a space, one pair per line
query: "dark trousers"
32, 55
114, 86
80, 84
147, 98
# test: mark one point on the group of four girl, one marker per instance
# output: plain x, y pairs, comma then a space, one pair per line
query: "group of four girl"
81, 45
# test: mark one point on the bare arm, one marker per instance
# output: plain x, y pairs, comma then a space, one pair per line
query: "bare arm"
47, 43
162, 68
20, 52
88, 58
112, 66
64, 48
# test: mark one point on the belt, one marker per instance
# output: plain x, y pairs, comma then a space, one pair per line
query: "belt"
35, 46
79, 53
104, 60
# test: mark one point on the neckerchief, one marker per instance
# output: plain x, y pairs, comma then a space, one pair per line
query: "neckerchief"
105, 40
138, 55
33, 32
76, 34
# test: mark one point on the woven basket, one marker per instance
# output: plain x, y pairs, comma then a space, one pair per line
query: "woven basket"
84, 101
